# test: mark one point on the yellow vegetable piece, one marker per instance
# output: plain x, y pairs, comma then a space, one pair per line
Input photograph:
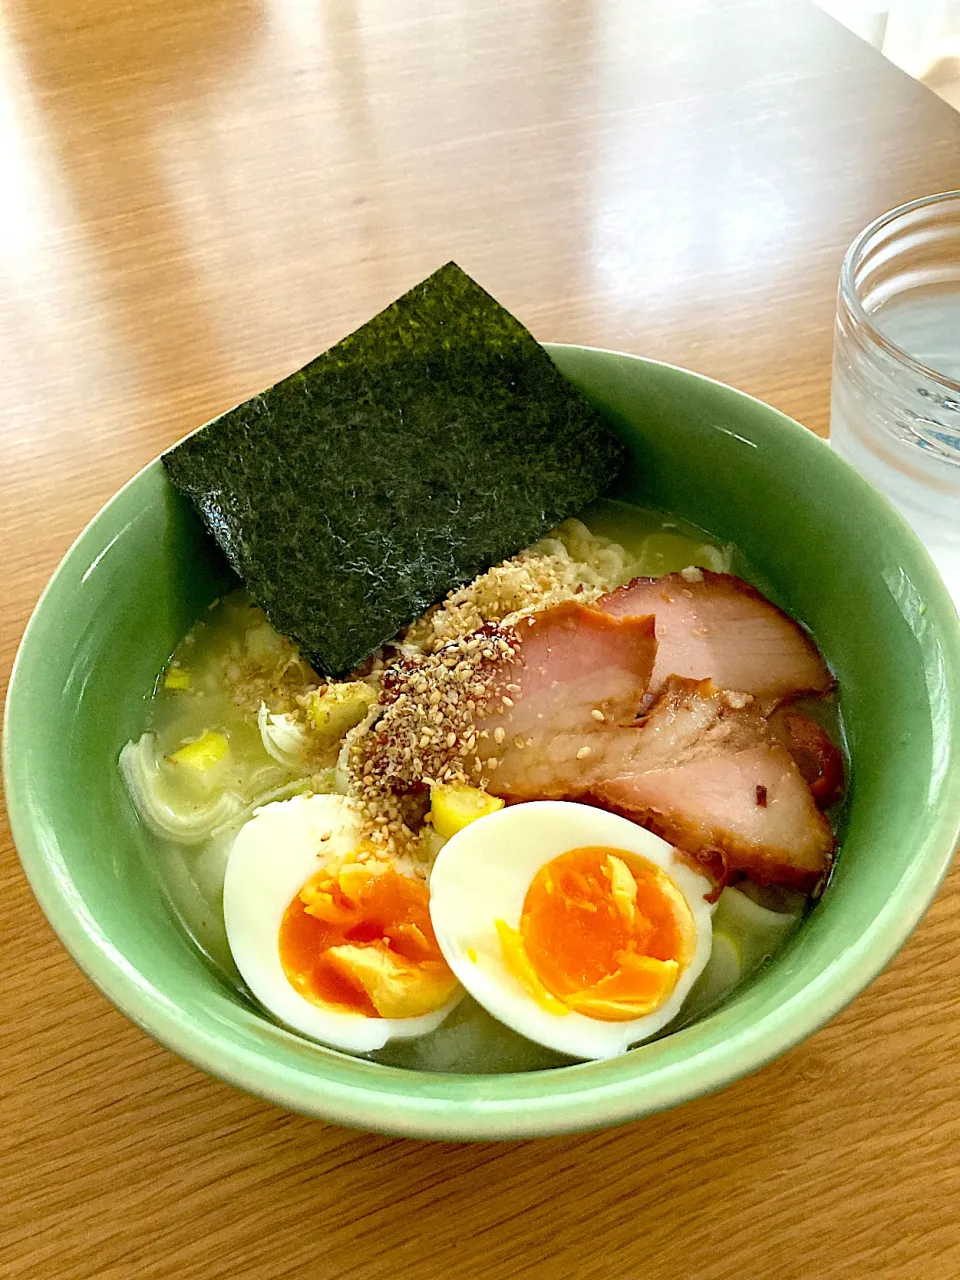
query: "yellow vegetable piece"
339, 708
208, 750
518, 963
176, 678
454, 807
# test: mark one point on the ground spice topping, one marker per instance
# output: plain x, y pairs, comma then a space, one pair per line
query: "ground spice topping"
428, 731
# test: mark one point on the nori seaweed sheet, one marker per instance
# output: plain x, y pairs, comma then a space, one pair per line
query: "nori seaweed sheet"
433, 442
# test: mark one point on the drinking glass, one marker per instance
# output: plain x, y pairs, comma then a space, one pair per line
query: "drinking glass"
895, 404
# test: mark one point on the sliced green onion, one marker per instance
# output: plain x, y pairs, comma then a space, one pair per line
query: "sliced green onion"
283, 739
760, 932
298, 786
183, 821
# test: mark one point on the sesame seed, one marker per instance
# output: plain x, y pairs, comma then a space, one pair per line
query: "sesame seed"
584, 752
498, 734
598, 714
507, 702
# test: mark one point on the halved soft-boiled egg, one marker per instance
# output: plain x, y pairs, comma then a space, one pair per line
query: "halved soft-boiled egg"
575, 927
336, 944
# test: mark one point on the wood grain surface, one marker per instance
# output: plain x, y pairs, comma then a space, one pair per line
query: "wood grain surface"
195, 198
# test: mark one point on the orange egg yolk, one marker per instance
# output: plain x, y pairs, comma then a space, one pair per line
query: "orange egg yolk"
358, 939
603, 932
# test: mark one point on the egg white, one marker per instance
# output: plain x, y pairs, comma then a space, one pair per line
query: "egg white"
272, 858
483, 873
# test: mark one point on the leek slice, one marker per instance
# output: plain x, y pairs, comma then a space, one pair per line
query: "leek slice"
283, 739
760, 932
724, 971
745, 934
299, 786
181, 820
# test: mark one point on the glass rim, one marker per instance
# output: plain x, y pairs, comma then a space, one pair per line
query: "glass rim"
851, 299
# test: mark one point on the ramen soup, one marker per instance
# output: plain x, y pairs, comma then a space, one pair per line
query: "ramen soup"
569, 809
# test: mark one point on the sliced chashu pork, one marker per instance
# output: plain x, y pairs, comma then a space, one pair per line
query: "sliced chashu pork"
707, 774
702, 769
577, 660
714, 626
578, 672
819, 761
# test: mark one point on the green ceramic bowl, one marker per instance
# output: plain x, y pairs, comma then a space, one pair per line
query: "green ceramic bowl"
832, 552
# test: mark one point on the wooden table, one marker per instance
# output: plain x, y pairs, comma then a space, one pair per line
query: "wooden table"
195, 199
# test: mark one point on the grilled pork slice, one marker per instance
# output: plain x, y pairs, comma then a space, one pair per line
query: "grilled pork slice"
702, 769
578, 672
709, 776
575, 660
716, 626
819, 761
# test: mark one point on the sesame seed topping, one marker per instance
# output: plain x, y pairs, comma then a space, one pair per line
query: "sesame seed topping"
426, 731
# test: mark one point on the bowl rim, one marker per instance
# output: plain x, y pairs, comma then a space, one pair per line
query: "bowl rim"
415, 1113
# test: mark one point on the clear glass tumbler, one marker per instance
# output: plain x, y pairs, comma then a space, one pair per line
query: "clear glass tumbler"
895, 406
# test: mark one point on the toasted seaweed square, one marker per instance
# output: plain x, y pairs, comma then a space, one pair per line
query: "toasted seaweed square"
433, 442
